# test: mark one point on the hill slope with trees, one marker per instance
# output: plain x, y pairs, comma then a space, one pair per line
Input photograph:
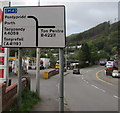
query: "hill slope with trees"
102, 41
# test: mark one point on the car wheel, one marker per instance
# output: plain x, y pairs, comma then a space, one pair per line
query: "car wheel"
106, 73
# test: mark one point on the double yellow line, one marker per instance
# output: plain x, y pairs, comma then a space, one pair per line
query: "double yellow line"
97, 76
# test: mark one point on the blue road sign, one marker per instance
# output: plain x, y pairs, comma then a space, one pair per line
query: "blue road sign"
11, 10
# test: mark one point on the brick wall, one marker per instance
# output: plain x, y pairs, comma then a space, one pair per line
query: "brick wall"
8, 94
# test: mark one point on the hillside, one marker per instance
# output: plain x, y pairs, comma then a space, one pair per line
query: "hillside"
96, 32
102, 40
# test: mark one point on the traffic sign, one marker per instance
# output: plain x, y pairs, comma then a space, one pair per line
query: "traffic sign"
42, 26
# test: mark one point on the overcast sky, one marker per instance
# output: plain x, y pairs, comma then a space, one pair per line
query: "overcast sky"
80, 15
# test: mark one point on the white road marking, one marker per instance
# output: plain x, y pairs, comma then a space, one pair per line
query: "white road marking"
58, 88
116, 97
94, 86
98, 88
85, 81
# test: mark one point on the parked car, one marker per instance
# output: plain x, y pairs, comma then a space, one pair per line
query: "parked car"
57, 69
42, 67
108, 71
116, 73
109, 64
102, 61
76, 71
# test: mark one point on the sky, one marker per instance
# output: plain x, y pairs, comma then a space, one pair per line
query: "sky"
81, 15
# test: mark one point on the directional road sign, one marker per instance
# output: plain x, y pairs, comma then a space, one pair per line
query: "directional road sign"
42, 26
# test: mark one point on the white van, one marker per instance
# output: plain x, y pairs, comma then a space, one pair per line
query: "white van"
109, 64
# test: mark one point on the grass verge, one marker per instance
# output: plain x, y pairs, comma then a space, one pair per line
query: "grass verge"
29, 99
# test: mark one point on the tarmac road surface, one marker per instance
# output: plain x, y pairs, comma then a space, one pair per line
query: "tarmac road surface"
85, 92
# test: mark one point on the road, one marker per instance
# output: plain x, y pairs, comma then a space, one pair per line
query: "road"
88, 92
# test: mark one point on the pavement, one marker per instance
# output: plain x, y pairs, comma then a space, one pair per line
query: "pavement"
49, 91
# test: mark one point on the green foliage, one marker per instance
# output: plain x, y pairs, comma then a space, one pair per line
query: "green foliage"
99, 29
103, 54
12, 53
84, 55
29, 99
114, 27
93, 52
52, 59
30, 52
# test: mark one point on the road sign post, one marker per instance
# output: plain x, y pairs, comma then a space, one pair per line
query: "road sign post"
19, 77
61, 83
38, 72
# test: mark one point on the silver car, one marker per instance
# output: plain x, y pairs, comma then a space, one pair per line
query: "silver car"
116, 73
76, 71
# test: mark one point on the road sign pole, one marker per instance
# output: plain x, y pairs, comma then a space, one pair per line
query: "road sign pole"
7, 67
38, 72
61, 83
19, 101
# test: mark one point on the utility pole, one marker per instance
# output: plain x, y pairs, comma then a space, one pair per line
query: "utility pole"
38, 72
61, 82
19, 77
7, 61
38, 68
66, 58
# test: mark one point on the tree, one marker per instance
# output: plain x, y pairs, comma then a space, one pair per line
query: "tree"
84, 55
52, 59
86, 52
12, 53
103, 54
93, 52
30, 52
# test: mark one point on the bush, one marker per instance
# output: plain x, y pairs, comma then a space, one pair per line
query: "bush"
29, 99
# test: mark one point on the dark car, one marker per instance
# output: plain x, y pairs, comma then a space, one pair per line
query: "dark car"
42, 67
108, 71
76, 71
